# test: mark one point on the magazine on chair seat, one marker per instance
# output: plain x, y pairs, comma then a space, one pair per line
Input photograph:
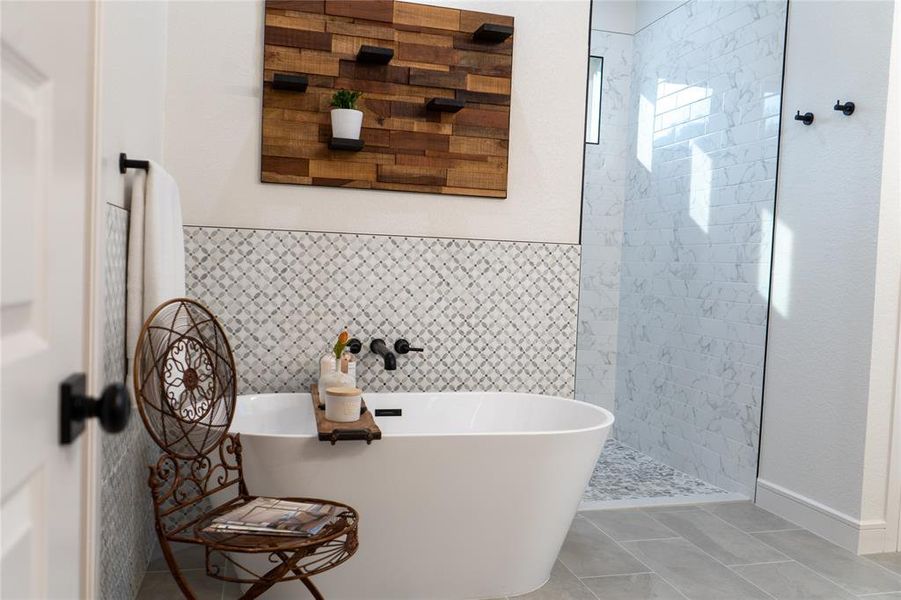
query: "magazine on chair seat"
272, 516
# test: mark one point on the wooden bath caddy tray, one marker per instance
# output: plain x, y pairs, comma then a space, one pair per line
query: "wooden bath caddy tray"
329, 431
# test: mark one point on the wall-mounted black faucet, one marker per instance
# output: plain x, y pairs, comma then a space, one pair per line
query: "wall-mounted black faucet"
378, 346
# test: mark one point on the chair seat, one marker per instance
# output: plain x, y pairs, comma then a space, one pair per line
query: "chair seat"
227, 541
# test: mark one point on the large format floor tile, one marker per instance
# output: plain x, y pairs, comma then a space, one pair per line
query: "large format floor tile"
891, 561
188, 556
231, 591
161, 586
792, 581
628, 525
562, 585
643, 586
722, 541
748, 517
589, 552
662, 553
856, 574
692, 572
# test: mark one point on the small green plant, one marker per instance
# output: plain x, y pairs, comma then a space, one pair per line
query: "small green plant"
345, 99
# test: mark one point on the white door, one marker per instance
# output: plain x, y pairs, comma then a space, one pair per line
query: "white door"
45, 170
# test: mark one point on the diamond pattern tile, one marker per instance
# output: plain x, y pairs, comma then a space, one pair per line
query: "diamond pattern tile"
490, 315
114, 298
127, 525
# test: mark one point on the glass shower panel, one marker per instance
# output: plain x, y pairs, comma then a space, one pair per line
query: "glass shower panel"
685, 193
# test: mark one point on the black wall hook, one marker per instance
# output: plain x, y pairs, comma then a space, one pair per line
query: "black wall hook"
847, 108
806, 118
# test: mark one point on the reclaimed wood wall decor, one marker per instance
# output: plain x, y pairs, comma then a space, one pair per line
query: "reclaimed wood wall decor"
409, 145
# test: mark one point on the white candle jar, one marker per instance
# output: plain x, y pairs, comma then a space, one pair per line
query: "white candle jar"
342, 404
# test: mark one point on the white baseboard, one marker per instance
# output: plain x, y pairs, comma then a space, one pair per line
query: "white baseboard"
860, 537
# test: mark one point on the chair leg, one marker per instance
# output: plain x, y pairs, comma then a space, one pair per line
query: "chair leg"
312, 588
308, 583
272, 576
174, 569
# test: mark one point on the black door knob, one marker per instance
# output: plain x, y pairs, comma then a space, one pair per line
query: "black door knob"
112, 409
402, 346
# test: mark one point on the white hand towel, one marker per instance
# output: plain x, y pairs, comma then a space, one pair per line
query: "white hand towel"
156, 250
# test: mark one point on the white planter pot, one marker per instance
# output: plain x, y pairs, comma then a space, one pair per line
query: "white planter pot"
346, 123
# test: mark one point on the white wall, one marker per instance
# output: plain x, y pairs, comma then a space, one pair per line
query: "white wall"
826, 411
630, 16
132, 89
648, 11
212, 129
888, 304
613, 16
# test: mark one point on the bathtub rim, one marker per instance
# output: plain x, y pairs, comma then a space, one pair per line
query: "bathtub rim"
609, 419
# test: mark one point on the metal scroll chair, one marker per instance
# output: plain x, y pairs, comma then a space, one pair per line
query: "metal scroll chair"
184, 380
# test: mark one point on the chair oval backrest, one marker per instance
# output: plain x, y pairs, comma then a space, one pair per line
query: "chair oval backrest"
184, 378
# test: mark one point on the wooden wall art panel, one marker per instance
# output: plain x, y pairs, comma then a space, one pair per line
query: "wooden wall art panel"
441, 56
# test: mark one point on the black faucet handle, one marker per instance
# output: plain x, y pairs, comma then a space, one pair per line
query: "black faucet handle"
402, 346
354, 346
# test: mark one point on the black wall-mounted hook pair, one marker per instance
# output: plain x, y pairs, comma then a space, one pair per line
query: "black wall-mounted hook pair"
847, 108
806, 118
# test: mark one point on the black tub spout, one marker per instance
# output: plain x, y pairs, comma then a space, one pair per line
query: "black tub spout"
379, 347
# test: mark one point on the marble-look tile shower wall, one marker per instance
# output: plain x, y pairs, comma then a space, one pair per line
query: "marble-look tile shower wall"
697, 227
603, 196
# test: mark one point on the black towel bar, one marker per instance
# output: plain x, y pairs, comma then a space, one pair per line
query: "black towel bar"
126, 163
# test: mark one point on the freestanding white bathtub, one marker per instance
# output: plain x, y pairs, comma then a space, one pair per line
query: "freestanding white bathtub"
467, 495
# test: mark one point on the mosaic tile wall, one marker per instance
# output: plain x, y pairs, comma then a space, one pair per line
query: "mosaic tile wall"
490, 315
697, 221
603, 195
127, 526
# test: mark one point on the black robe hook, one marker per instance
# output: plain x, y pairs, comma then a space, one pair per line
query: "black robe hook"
806, 118
847, 108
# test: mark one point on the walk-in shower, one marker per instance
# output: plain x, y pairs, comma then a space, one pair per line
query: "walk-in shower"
682, 130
